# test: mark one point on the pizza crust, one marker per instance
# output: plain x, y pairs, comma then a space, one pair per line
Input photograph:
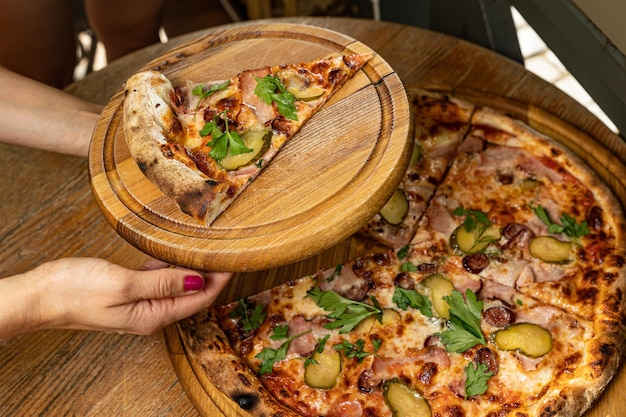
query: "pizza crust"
147, 115
223, 369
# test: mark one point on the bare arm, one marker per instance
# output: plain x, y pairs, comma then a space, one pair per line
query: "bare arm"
93, 294
43, 117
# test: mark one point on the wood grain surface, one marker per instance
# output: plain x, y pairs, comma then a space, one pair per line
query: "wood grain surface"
327, 181
48, 212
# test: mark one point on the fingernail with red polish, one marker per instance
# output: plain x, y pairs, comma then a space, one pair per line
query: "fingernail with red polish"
193, 283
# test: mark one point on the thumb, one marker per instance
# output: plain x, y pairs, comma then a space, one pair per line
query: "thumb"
165, 283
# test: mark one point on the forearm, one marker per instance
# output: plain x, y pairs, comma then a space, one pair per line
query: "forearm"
39, 116
20, 301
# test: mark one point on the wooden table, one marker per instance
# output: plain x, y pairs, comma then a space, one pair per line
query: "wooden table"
48, 212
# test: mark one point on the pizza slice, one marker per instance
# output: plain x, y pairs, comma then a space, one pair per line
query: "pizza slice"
440, 123
203, 143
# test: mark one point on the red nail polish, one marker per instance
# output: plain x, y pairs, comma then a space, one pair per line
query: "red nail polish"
193, 283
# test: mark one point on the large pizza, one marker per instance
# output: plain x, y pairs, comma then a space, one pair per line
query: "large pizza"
501, 292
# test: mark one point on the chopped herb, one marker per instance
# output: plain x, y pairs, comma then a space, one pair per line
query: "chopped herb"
464, 326
519, 302
411, 298
319, 348
357, 350
200, 91
280, 332
346, 313
403, 252
270, 356
269, 89
335, 273
476, 378
408, 267
568, 225
473, 218
250, 318
223, 143
259, 163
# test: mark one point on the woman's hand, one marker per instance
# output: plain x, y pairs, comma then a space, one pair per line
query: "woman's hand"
93, 294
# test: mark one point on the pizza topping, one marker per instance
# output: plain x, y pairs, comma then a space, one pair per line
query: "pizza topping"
404, 401
396, 208
270, 356
464, 324
518, 236
257, 141
203, 92
527, 338
250, 317
346, 313
476, 377
323, 368
476, 232
550, 249
390, 316
270, 89
475, 263
440, 288
223, 143
411, 298
499, 316
357, 350
569, 226
486, 356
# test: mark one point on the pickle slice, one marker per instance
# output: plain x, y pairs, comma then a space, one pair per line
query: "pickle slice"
439, 287
300, 86
396, 208
476, 240
550, 249
257, 140
324, 369
404, 401
390, 317
527, 338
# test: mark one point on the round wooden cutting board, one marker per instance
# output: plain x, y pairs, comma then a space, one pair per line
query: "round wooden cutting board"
334, 175
210, 402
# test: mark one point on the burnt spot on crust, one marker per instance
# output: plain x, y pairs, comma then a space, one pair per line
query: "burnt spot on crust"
246, 401
352, 61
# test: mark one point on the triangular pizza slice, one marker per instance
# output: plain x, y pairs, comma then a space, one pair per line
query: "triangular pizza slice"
203, 143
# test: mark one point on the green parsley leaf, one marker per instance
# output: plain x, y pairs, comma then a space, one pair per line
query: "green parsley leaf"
280, 332
269, 89
403, 252
473, 218
357, 350
569, 226
408, 267
464, 325
250, 318
270, 356
223, 143
200, 91
476, 378
319, 348
411, 298
346, 313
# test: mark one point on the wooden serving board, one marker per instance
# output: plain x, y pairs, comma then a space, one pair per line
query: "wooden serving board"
210, 402
334, 175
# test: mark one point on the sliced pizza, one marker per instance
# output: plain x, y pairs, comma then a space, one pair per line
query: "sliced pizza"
508, 301
203, 143
440, 124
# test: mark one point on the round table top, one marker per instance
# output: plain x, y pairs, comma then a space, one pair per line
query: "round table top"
91, 374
